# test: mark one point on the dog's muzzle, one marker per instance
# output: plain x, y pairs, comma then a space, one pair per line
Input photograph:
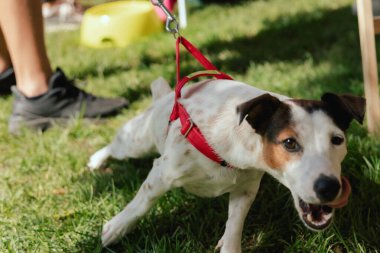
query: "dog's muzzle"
318, 217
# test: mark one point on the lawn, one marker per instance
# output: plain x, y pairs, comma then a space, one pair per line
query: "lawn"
50, 202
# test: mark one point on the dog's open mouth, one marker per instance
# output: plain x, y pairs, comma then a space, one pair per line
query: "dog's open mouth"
319, 217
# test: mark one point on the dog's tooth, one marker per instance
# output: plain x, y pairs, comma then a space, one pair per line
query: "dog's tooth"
327, 216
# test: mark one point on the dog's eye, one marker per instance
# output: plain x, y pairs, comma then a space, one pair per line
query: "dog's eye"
291, 145
337, 140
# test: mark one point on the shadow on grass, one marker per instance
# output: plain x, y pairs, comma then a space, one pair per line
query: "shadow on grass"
105, 71
134, 94
126, 175
324, 36
289, 38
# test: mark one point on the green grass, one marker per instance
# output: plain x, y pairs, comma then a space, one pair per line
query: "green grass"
49, 202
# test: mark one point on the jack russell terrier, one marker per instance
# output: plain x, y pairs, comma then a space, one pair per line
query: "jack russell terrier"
301, 143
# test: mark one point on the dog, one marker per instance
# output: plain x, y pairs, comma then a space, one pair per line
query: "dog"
301, 143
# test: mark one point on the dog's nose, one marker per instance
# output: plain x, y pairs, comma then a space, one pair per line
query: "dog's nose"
326, 188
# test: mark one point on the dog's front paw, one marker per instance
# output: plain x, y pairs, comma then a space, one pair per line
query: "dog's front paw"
98, 159
112, 231
225, 246
219, 245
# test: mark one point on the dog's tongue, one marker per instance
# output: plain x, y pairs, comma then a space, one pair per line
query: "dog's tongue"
343, 199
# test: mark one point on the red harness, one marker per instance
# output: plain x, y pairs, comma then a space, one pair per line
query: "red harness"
189, 129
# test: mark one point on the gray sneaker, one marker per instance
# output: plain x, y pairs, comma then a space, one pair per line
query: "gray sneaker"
60, 103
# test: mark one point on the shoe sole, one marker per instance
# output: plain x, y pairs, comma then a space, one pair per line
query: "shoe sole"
16, 124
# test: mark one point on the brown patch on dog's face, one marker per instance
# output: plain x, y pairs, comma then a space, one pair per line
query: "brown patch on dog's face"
272, 119
266, 114
275, 153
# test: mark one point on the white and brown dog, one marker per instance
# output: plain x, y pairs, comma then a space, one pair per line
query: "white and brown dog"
301, 143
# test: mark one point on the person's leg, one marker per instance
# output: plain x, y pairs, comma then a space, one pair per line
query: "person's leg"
7, 77
5, 59
22, 24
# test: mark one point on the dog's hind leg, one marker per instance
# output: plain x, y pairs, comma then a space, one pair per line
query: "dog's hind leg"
153, 187
239, 203
133, 140
98, 159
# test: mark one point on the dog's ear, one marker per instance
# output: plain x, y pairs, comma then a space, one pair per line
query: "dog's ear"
345, 108
159, 88
259, 111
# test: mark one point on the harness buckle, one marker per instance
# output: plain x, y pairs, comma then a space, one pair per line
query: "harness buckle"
190, 127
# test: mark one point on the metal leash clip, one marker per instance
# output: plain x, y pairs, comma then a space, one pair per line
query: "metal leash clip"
171, 24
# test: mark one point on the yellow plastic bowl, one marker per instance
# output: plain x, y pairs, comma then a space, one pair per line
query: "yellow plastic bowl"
118, 24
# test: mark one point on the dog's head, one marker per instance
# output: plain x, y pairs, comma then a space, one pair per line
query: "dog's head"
304, 144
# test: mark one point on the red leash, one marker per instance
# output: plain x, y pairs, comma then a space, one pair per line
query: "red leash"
189, 129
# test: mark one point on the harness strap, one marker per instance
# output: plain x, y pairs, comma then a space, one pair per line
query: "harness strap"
215, 73
189, 129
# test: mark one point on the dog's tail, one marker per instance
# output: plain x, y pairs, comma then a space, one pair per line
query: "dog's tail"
159, 87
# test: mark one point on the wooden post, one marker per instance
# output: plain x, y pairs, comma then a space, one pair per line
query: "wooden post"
369, 62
